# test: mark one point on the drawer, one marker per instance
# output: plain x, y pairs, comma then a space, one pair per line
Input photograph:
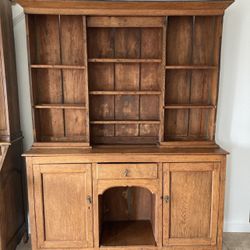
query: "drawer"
127, 171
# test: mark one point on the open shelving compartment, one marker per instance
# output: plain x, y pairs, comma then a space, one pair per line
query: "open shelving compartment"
59, 78
125, 76
127, 217
191, 86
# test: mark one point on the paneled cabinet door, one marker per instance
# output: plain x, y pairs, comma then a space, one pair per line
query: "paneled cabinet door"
63, 205
190, 206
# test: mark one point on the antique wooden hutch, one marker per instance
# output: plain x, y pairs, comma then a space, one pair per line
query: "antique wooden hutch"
12, 198
124, 99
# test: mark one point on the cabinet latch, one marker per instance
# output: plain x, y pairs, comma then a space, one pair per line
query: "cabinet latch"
89, 199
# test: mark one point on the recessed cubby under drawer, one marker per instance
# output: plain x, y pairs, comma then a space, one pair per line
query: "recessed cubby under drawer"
127, 171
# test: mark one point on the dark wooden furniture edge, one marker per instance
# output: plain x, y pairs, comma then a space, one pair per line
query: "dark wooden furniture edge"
125, 8
103, 151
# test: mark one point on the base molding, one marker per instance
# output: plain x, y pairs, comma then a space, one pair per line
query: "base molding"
236, 227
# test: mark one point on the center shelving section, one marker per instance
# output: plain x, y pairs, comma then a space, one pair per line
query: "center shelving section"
125, 65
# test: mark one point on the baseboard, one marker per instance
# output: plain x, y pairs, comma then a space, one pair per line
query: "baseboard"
237, 227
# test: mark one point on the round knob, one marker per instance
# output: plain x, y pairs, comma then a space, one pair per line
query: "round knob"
126, 172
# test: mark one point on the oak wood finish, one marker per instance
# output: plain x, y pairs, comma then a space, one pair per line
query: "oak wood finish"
124, 98
201, 186
123, 8
120, 198
82, 92
12, 180
63, 223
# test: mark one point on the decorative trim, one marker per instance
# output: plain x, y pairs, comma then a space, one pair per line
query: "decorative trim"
236, 227
17, 19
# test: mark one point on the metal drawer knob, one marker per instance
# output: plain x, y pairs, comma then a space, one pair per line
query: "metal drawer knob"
89, 199
126, 172
166, 198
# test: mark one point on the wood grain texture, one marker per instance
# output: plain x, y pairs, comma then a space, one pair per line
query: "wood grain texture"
127, 171
189, 223
129, 49
63, 223
129, 233
126, 8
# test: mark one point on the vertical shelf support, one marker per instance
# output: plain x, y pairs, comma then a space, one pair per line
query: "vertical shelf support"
86, 78
162, 98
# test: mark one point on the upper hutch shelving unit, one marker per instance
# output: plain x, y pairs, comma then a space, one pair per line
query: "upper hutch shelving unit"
124, 98
146, 73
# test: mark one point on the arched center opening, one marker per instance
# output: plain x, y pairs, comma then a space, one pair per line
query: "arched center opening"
127, 217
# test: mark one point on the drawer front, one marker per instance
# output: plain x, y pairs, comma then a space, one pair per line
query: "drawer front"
127, 171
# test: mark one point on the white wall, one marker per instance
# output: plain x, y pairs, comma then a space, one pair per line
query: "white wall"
233, 129
233, 122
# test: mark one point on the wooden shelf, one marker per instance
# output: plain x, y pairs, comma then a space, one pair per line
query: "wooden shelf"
123, 60
46, 66
176, 142
191, 67
125, 92
189, 106
125, 122
59, 106
61, 144
127, 233
78, 138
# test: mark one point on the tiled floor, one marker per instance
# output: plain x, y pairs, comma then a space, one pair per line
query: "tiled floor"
232, 241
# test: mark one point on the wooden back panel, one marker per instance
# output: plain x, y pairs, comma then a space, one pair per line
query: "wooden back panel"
125, 57
59, 81
193, 45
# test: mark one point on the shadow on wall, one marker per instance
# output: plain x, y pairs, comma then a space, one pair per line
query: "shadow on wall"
233, 119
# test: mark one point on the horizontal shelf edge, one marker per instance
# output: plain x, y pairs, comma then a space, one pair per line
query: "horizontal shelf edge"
123, 60
189, 107
191, 67
125, 122
125, 92
61, 144
59, 106
47, 66
189, 144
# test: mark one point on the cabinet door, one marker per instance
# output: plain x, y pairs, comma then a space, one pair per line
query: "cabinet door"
63, 205
190, 206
